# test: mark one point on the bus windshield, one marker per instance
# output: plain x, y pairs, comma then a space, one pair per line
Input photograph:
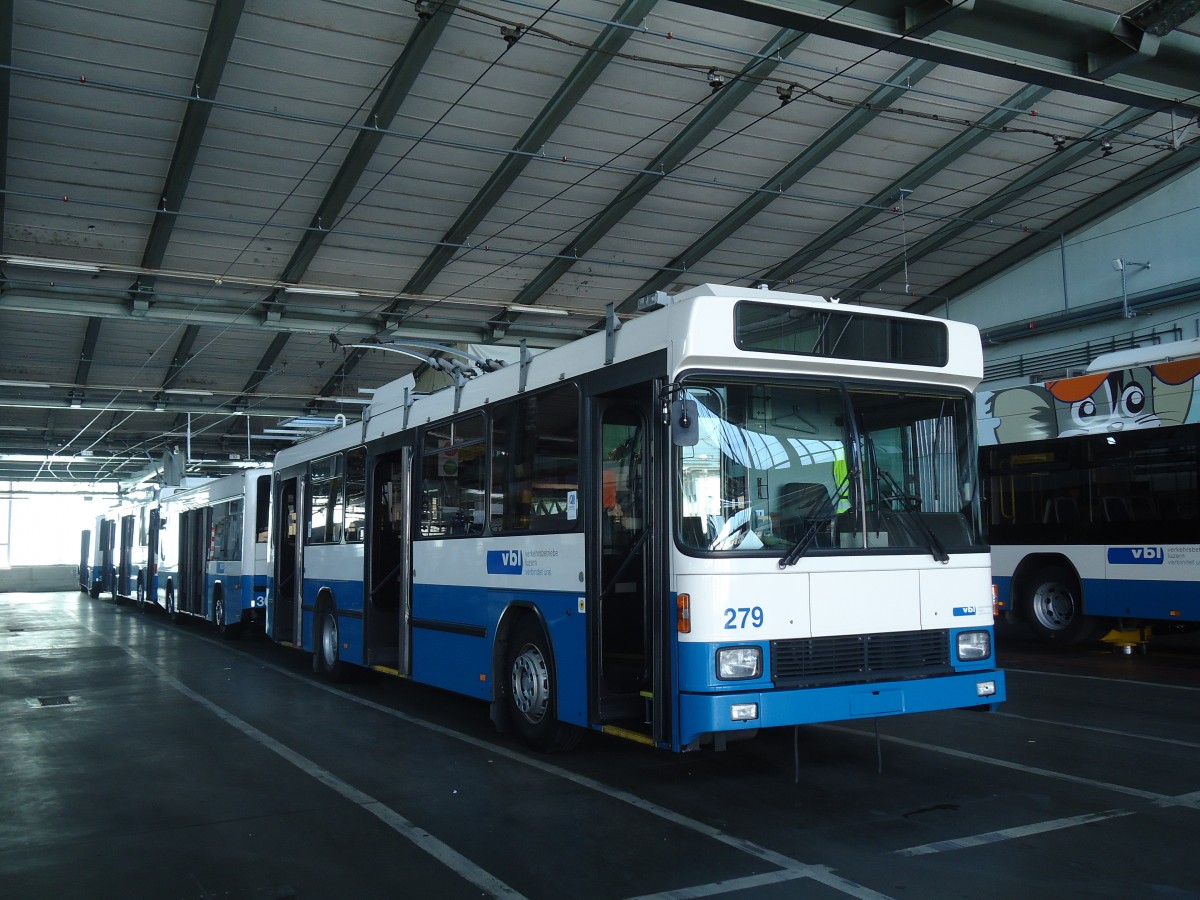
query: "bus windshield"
818, 468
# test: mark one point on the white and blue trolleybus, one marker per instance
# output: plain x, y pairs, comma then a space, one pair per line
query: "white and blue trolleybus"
1091, 497
214, 560
741, 510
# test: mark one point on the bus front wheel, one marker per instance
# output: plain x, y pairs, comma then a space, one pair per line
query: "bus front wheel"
532, 691
1053, 607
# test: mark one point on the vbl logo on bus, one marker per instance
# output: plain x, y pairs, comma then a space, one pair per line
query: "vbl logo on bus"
1136, 556
505, 562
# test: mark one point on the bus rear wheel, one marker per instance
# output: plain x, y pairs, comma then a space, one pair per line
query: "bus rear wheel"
327, 653
224, 629
532, 691
1053, 607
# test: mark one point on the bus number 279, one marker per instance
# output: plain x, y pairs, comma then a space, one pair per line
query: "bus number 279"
738, 618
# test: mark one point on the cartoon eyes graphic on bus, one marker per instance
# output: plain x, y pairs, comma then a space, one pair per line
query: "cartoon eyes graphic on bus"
1096, 403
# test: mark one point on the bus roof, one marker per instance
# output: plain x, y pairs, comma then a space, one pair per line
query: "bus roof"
696, 330
1149, 355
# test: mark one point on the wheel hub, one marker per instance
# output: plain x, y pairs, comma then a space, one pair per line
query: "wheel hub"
329, 641
1054, 606
531, 684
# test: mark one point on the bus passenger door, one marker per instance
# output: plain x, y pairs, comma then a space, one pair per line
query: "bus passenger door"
288, 574
389, 563
85, 548
150, 573
194, 534
102, 571
125, 557
624, 613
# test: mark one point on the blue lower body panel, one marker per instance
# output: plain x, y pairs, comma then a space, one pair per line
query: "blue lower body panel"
704, 713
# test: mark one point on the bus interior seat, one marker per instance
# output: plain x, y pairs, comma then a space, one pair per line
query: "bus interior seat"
1142, 508
797, 503
1116, 509
1167, 508
692, 531
948, 527
1061, 510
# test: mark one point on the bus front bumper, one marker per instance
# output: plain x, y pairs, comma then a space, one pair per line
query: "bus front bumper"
706, 714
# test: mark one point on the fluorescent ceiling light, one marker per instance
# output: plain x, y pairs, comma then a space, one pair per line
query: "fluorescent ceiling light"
360, 401
319, 291
23, 384
544, 310
51, 264
191, 392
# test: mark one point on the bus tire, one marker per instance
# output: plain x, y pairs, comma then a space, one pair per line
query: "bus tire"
531, 690
224, 629
327, 648
1052, 606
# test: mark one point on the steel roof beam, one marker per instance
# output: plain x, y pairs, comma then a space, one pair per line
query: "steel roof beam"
602, 51
6, 33
1137, 35
395, 90
724, 102
230, 315
995, 39
968, 219
833, 138
1014, 106
1149, 179
87, 352
405, 70
222, 29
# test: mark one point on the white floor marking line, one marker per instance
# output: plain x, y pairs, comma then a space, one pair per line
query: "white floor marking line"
793, 867
1133, 681
1008, 834
443, 853
1018, 767
1192, 745
723, 887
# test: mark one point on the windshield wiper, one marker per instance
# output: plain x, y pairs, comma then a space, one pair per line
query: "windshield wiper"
914, 516
819, 518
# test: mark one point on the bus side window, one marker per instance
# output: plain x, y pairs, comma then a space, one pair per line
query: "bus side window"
535, 462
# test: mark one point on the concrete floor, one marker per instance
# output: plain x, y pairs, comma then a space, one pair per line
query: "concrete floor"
139, 758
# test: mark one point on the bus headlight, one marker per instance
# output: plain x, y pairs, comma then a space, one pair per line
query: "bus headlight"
734, 663
974, 645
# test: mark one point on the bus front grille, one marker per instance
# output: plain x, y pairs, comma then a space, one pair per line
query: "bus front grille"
846, 659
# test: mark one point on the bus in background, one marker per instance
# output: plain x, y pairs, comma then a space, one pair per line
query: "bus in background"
742, 510
97, 552
125, 546
214, 551
1090, 486
122, 552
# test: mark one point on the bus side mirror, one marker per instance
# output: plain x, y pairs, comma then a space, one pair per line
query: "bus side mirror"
685, 428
